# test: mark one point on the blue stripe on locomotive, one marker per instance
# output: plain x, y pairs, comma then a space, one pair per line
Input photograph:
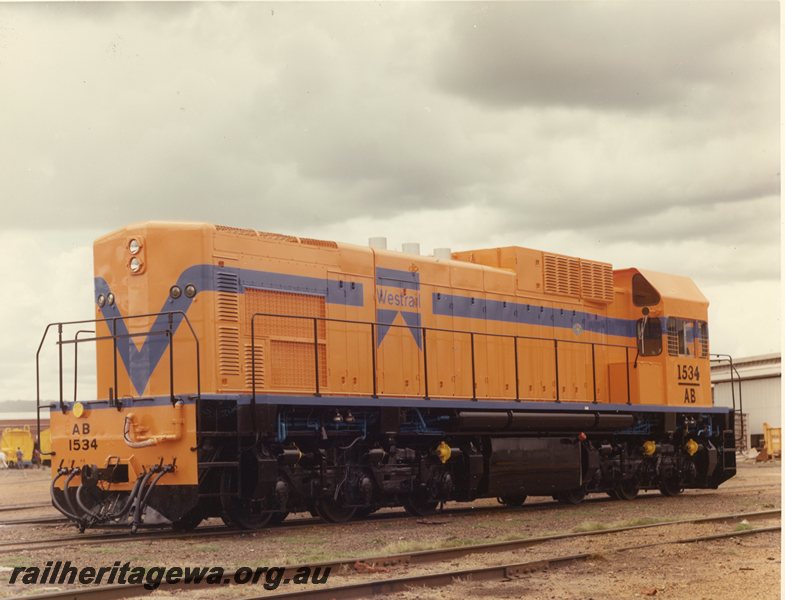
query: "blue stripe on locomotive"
140, 363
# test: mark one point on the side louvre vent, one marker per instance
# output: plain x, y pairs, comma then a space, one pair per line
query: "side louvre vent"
258, 359
596, 281
562, 275
229, 350
227, 285
228, 317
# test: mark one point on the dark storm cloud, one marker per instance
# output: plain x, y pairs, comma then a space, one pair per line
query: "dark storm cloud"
284, 116
610, 55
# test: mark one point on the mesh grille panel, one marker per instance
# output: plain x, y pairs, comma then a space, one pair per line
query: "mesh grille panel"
277, 237
319, 243
284, 303
236, 230
292, 365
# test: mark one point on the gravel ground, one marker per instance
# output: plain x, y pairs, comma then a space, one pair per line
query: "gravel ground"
630, 574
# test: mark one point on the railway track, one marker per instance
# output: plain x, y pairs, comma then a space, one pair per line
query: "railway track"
452, 510
156, 533
15, 507
387, 586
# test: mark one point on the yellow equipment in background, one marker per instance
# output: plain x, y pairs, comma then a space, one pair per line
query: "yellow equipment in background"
46, 446
17, 437
772, 437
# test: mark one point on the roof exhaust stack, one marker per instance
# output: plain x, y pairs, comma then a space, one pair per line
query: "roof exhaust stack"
378, 243
411, 248
442, 253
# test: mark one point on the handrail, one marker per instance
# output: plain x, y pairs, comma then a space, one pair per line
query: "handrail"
423, 330
732, 369
111, 323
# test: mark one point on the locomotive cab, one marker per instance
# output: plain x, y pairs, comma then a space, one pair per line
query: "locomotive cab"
672, 344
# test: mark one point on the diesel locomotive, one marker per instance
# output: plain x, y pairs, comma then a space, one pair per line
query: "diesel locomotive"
247, 375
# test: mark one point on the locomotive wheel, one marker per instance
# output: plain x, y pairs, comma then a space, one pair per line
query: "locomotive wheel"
512, 501
240, 511
573, 497
332, 512
626, 489
670, 487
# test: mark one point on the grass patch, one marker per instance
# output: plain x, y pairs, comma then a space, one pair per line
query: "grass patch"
640, 521
404, 546
743, 527
207, 547
16, 561
587, 526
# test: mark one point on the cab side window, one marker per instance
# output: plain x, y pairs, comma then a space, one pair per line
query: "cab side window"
688, 337
649, 337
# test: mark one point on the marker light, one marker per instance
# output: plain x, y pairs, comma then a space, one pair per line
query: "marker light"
110, 298
190, 290
135, 265
78, 409
101, 300
175, 291
134, 246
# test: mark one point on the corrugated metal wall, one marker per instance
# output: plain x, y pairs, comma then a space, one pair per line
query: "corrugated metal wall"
761, 397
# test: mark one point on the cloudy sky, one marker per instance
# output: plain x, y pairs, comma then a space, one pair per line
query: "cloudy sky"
643, 134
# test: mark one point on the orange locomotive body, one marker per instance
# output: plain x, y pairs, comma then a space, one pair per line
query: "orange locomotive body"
246, 375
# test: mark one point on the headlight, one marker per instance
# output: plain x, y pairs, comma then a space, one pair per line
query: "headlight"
190, 290
135, 264
78, 409
175, 292
110, 298
134, 246
101, 300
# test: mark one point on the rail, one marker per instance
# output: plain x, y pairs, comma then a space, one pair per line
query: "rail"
111, 323
374, 325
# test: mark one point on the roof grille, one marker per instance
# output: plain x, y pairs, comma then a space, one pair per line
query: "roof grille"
562, 275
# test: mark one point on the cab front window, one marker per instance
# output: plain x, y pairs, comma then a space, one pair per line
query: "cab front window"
687, 337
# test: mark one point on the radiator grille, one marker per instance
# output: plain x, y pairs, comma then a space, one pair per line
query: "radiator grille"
319, 243
292, 365
284, 303
562, 275
277, 237
236, 230
596, 281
